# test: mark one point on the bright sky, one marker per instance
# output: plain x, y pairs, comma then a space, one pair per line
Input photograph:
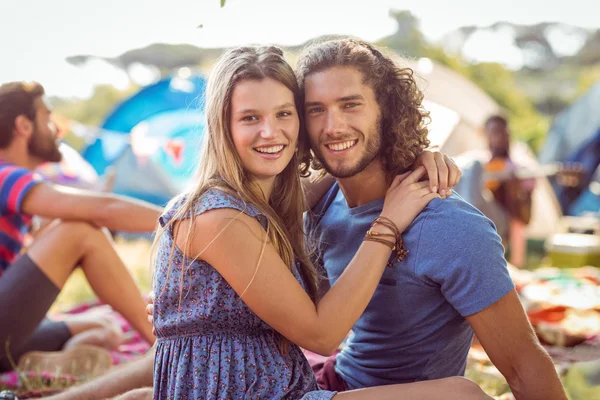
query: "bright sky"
37, 35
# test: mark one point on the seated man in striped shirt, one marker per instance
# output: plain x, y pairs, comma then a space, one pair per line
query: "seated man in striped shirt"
31, 279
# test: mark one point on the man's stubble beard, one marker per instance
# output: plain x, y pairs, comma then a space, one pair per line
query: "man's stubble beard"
372, 151
42, 148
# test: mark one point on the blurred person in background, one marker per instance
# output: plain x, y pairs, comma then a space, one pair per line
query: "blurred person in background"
514, 195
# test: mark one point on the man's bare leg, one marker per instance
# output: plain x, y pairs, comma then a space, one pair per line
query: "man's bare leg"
93, 329
137, 394
454, 388
65, 245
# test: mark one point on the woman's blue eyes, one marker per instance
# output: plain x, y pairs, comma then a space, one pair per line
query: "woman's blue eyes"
252, 118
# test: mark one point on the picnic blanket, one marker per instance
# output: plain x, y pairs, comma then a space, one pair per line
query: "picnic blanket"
563, 306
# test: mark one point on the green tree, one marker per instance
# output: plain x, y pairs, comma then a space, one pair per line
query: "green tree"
497, 81
526, 122
93, 110
408, 39
588, 77
500, 84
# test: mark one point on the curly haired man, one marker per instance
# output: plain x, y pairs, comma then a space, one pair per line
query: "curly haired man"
366, 123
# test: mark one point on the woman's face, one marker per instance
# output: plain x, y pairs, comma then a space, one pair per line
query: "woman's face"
265, 126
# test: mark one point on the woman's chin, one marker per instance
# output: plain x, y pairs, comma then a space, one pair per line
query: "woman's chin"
264, 176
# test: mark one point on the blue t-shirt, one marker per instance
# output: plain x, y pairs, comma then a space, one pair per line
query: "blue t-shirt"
414, 328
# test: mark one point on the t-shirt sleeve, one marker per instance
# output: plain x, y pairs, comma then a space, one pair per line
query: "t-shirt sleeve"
15, 183
460, 251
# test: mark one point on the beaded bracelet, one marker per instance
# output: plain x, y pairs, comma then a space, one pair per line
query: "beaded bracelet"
397, 244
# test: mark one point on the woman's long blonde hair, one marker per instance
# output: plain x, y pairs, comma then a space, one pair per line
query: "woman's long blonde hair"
220, 166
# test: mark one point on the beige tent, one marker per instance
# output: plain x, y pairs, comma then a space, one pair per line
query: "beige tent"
458, 107
458, 110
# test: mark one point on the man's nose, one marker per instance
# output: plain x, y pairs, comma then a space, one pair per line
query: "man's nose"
335, 122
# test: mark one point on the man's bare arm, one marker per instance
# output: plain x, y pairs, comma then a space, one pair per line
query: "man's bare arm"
133, 375
508, 338
107, 210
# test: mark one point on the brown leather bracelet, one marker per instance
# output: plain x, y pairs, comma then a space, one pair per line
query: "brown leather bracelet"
399, 247
388, 223
371, 232
388, 243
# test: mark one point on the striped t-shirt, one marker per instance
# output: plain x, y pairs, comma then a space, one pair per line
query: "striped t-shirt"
15, 182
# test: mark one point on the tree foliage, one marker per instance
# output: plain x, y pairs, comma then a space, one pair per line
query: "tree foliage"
93, 110
408, 39
526, 121
588, 77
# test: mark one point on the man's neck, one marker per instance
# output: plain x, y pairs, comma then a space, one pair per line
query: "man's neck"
370, 184
15, 155
502, 154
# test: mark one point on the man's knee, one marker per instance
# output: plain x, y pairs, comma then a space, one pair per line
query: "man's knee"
78, 232
466, 387
63, 244
78, 227
137, 394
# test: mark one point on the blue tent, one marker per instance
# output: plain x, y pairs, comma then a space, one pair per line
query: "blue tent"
575, 137
572, 128
587, 200
152, 139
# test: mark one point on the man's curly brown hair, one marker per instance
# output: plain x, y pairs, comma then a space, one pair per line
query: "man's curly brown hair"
403, 118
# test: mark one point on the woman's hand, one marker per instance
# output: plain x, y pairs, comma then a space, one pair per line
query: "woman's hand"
407, 197
442, 172
150, 311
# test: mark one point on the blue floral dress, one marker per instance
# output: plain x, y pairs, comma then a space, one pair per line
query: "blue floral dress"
212, 346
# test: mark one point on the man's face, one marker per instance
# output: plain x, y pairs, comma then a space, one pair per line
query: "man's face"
498, 138
42, 142
343, 120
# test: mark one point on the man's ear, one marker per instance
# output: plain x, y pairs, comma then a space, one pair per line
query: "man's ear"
23, 126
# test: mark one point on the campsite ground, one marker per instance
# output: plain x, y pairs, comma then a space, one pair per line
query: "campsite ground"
136, 254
